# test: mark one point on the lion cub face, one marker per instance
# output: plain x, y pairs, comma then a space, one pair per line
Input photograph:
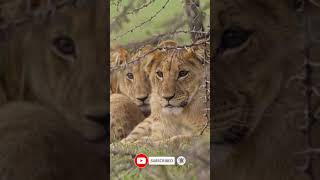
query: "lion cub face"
175, 76
133, 80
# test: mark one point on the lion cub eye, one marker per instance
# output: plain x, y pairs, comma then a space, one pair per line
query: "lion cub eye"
65, 45
183, 74
130, 76
234, 37
159, 74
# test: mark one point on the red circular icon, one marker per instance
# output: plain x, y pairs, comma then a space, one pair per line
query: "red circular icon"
141, 160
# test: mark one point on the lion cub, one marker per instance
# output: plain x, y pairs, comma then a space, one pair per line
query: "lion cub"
177, 105
129, 78
130, 89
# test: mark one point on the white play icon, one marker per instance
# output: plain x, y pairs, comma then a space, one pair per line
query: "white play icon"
141, 160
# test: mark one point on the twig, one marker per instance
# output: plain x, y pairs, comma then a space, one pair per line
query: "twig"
155, 39
134, 11
143, 23
117, 20
192, 8
155, 49
207, 91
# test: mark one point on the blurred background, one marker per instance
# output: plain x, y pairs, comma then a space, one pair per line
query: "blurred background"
133, 22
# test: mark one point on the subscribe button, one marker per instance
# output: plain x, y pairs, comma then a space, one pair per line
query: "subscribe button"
141, 160
161, 160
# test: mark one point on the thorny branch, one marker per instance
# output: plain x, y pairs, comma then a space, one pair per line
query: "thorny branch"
136, 10
157, 38
143, 23
117, 67
195, 18
206, 65
118, 20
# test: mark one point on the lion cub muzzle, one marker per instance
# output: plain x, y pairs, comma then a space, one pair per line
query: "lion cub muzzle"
173, 104
143, 104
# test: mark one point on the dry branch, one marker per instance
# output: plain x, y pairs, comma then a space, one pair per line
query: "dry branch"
117, 21
195, 18
143, 23
136, 10
155, 39
118, 67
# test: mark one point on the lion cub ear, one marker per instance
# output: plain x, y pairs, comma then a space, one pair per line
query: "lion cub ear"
201, 50
154, 57
118, 57
143, 54
150, 60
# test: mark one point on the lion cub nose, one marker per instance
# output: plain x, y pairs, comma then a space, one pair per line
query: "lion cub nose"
168, 98
142, 99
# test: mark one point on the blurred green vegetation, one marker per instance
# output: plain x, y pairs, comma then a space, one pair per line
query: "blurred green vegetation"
174, 10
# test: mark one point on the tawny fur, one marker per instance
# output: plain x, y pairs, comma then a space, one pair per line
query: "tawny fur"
130, 79
126, 111
161, 126
125, 115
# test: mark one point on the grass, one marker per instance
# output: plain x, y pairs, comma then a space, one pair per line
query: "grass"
122, 165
